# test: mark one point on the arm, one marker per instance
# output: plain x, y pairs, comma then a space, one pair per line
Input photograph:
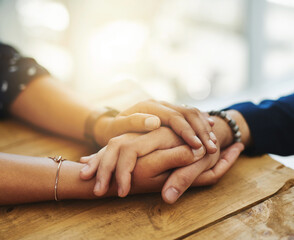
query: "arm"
265, 128
215, 165
50, 105
32, 179
28, 91
46, 103
270, 124
224, 133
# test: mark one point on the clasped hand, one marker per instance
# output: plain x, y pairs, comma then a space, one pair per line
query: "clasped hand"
183, 152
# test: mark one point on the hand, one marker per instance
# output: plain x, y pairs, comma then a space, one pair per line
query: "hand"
121, 155
196, 175
152, 171
188, 123
227, 159
107, 127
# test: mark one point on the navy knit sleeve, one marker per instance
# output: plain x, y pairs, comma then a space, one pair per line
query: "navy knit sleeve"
15, 73
271, 125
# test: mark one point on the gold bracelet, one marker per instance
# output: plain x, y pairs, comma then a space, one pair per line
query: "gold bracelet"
58, 160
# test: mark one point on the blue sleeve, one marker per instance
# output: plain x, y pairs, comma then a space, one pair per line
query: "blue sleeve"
271, 125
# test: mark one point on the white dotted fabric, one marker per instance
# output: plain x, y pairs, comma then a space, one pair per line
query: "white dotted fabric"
15, 73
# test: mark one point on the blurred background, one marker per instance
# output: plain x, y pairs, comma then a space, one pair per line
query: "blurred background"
208, 53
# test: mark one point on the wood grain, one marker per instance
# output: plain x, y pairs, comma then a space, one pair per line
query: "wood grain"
146, 216
143, 216
271, 219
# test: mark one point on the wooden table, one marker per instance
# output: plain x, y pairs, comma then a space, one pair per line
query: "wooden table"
255, 200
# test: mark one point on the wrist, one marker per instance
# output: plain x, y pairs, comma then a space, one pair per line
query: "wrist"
101, 130
95, 125
244, 128
224, 132
70, 186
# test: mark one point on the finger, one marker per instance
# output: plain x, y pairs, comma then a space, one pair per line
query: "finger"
208, 118
182, 178
210, 121
162, 138
106, 167
169, 117
136, 122
199, 123
203, 130
125, 166
161, 161
92, 163
85, 159
228, 158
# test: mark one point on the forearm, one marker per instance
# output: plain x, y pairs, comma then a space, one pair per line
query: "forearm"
48, 104
271, 125
32, 179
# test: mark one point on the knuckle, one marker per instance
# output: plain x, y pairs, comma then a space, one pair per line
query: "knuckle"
193, 112
186, 154
204, 132
113, 142
165, 131
92, 160
196, 111
126, 147
184, 181
174, 117
183, 155
185, 131
104, 168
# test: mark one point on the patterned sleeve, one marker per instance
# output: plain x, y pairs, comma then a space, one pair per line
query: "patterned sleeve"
15, 73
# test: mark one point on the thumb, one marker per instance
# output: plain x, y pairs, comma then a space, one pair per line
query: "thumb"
232, 151
137, 122
227, 159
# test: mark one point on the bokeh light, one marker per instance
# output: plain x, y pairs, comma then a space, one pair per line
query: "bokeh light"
50, 14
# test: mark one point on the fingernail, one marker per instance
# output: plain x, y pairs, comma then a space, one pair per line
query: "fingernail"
198, 152
120, 191
211, 144
152, 123
97, 187
172, 194
210, 120
85, 169
212, 137
197, 140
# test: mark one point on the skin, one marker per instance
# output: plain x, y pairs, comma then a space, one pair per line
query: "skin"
150, 173
49, 105
186, 122
177, 184
180, 179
